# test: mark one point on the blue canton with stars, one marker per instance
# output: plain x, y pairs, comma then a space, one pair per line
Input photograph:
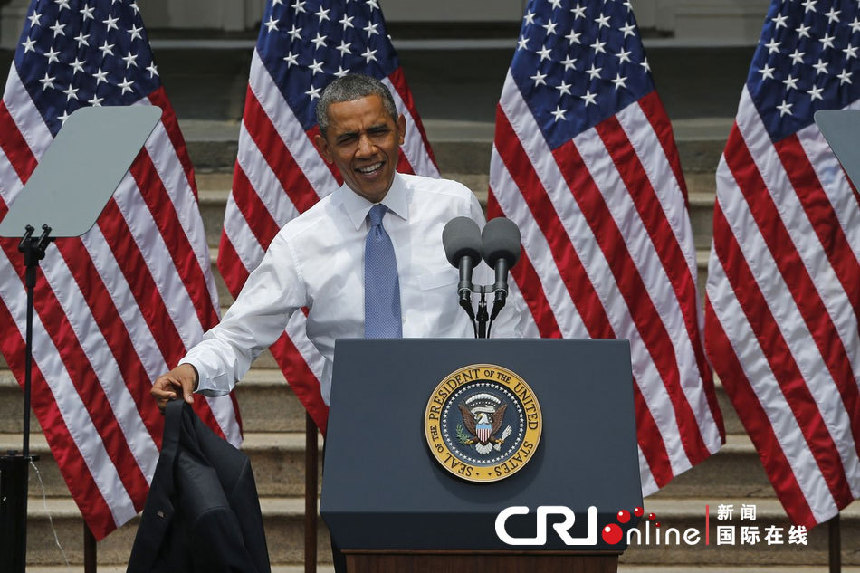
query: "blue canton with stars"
307, 43
805, 61
77, 53
578, 63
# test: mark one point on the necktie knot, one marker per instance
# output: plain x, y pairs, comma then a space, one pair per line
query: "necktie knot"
376, 213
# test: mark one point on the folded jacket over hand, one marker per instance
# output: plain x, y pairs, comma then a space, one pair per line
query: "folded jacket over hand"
202, 512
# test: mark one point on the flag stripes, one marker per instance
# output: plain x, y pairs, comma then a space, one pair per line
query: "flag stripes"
596, 213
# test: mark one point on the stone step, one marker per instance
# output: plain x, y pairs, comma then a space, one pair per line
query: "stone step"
283, 522
278, 462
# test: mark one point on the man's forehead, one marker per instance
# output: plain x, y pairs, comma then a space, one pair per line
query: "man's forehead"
363, 111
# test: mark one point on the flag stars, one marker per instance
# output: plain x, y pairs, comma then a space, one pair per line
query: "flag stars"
826, 41
63, 117
134, 32
369, 55
295, 33
52, 55
111, 23
855, 26
598, 47
646, 65
313, 93
523, 43
809, 5
322, 14
797, 57
346, 22
784, 108
71, 93
556, 4
780, 21
152, 69
833, 15
125, 85
578, 12
319, 41
47, 81
623, 56
820, 67
62, 4
593, 72
619, 81
529, 18
370, 29
850, 52
569, 63
373, 5
87, 12
602, 21
844, 77
772, 46
538, 78
344, 48
100, 76
316, 67
77, 66
589, 98
544, 53
106, 49
298, 7
341, 72
82, 39
573, 37
291, 59
95, 101
803, 31
34, 19
130, 60
558, 114
815, 93
790, 83
766, 72
563, 88
549, 27
271, 25
29, 44
57, 28
629, 29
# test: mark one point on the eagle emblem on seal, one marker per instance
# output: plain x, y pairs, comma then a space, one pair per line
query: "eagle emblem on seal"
483, 416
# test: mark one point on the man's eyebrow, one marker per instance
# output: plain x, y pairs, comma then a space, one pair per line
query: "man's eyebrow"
373, 128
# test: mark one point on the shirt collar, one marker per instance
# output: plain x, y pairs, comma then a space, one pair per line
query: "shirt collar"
357, 207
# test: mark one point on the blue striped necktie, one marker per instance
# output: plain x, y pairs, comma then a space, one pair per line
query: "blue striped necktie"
381, 286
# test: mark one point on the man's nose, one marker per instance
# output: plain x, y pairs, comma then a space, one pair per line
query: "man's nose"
365, 146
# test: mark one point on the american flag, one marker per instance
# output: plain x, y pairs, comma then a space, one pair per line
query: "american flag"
279, 174
120, 305
584, 161
783, 291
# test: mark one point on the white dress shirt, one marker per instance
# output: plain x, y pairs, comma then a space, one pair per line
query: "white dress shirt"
317, 261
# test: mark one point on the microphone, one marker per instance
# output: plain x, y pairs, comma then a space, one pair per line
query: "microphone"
501, 248
461, 239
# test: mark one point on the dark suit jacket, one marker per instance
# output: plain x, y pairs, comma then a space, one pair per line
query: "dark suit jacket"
202, 512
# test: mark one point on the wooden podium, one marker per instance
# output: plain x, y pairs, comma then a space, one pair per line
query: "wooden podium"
390, 506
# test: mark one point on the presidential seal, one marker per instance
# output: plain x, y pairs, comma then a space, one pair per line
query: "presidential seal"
483, 423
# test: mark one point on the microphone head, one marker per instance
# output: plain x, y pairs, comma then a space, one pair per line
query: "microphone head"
501, 240
461, 237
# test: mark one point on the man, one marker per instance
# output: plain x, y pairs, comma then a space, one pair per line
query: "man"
336, 259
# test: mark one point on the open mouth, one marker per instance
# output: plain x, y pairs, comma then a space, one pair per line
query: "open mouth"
370, 169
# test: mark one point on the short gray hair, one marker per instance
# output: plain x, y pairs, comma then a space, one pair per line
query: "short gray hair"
352, 87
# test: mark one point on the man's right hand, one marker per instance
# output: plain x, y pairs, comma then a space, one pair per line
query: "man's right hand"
179, 382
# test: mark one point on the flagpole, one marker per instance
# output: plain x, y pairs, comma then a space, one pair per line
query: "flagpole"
311, 488
90, 550
834, 543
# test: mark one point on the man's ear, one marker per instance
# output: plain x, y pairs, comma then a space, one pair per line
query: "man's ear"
322, 146
401, 128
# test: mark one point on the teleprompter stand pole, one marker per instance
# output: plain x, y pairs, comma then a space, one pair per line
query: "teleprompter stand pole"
14, 467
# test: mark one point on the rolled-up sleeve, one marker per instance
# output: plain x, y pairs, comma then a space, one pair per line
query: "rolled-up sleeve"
273, 291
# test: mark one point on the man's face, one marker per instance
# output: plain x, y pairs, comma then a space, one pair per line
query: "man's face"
363, 141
